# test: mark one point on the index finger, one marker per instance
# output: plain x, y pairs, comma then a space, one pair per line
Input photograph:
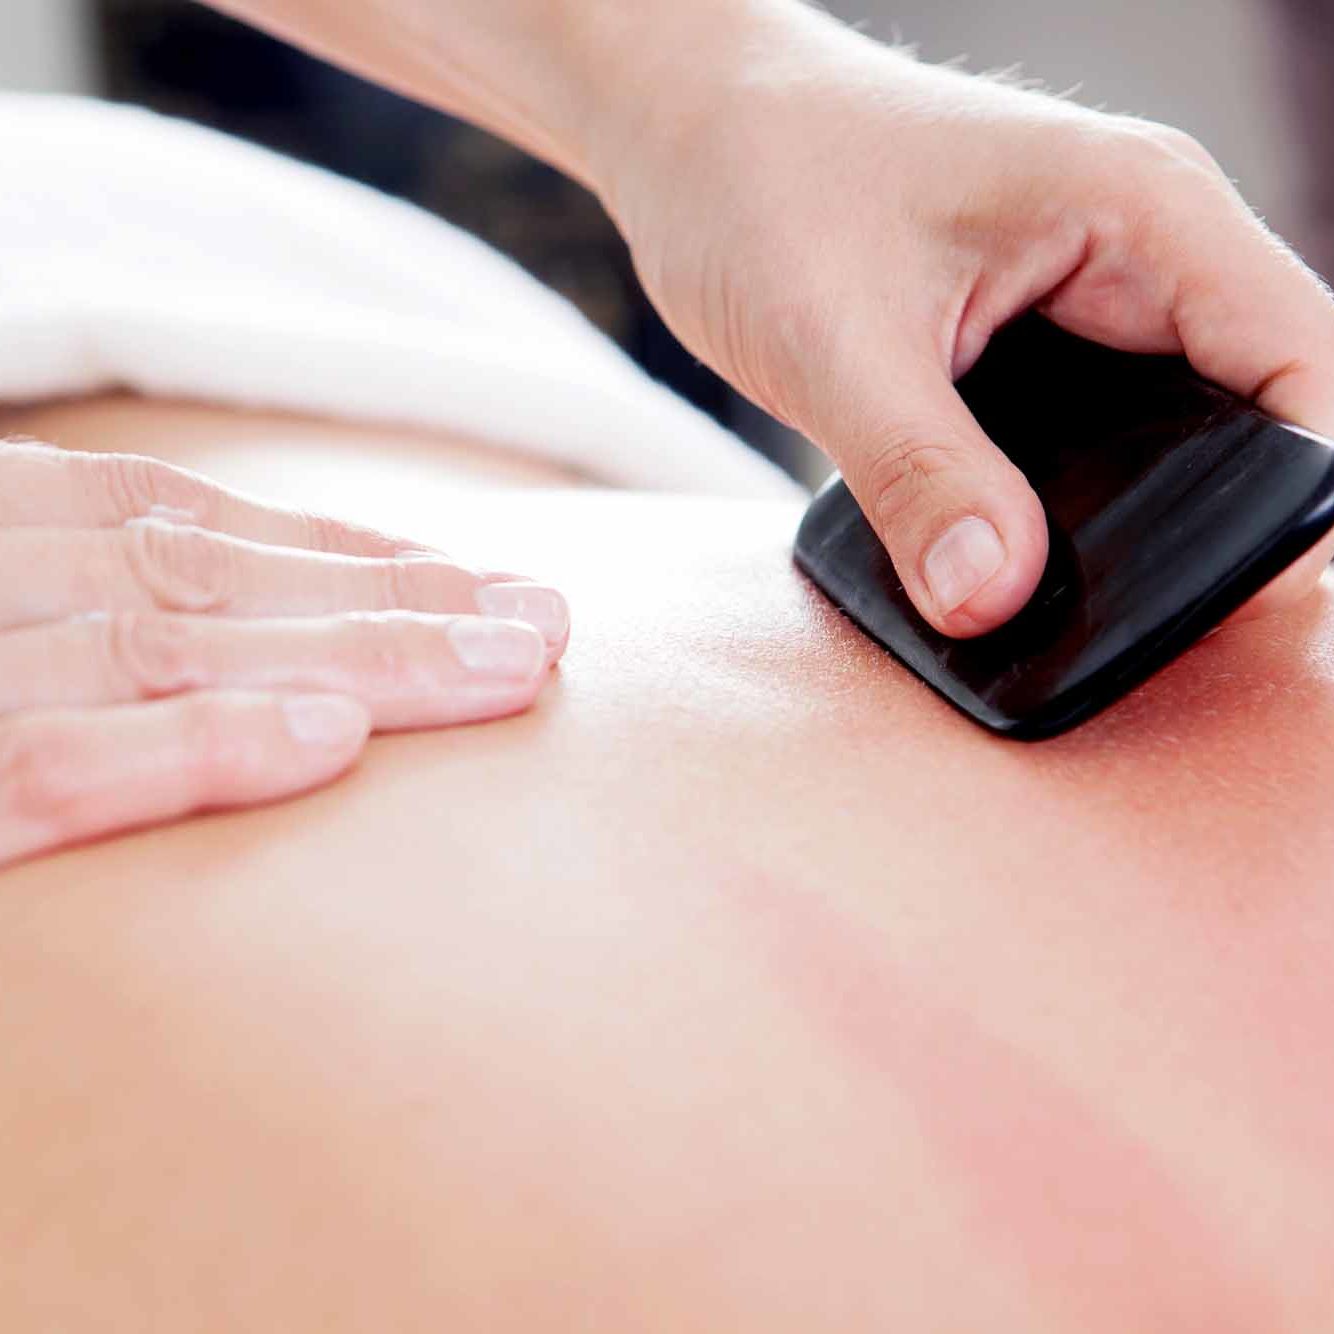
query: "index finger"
1206, 277
42, 486
1253, 318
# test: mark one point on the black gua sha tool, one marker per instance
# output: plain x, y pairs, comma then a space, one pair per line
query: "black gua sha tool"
1169, 503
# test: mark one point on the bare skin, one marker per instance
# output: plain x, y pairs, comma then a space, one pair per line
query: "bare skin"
238, 447
168, 645
740, 986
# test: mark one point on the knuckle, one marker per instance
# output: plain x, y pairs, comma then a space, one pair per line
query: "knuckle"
324, 533
401, 583
40, 774
150, 656
179, 568
1152, 160
1179, 144
901, 471
215, 743
140, 485
415, 585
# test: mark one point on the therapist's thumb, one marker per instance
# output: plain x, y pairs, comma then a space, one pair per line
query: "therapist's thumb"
964, 529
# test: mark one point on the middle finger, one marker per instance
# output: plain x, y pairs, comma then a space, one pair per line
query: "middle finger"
154, 565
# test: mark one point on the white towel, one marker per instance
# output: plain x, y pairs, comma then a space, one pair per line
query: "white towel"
148, 254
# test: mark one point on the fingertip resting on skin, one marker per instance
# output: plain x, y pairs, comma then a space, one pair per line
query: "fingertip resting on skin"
499, 670
544, 608
498, 650
248, 747
328, 722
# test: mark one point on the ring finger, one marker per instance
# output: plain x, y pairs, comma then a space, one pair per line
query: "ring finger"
410, 670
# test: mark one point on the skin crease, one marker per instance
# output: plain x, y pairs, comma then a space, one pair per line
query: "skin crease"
740, 986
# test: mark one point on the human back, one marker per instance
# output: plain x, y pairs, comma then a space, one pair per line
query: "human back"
741, 985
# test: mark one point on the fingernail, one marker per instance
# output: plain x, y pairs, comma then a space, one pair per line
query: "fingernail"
324, 720
961, 562
543, 608
507, 650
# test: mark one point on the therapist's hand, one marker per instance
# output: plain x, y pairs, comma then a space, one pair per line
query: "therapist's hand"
838, 229
167, 646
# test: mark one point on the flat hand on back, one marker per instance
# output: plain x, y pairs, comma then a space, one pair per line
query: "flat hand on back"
167, 646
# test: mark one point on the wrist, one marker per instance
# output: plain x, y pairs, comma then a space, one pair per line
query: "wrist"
652, 77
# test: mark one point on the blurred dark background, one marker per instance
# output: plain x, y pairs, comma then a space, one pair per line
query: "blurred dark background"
1246, 76
191, 62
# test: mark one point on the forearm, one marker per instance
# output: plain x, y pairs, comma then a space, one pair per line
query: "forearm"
557, 77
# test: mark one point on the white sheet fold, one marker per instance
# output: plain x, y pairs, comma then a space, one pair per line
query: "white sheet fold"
149, 254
